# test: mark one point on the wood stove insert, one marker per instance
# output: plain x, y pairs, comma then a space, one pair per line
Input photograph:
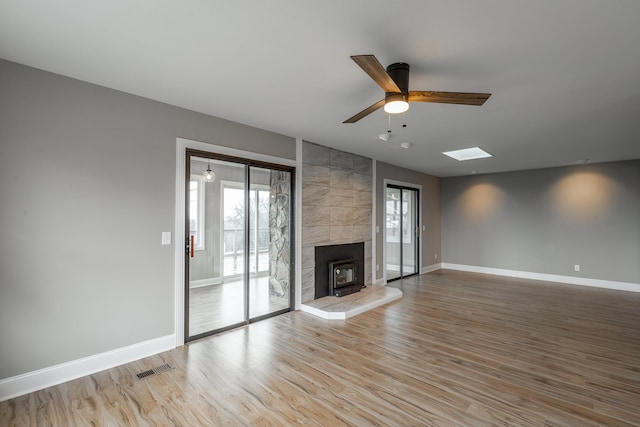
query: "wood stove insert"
339, 269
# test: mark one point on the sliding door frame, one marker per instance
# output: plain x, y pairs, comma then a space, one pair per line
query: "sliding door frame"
248, 164
408, 186
224, 153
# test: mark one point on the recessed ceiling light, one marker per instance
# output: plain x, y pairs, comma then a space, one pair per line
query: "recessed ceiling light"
406, 145
467, 154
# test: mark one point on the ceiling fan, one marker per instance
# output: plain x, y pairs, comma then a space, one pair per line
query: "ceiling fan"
395, 83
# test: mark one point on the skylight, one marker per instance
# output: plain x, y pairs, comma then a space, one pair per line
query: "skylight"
467, 154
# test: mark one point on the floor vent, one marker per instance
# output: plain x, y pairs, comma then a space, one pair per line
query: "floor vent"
161, 368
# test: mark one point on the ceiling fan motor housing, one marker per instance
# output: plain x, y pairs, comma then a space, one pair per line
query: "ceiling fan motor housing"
399, 72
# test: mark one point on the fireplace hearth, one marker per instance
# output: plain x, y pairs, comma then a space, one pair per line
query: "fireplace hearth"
339, 269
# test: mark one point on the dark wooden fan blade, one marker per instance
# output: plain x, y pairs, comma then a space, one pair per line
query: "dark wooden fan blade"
462, 98
376, 71
365, 112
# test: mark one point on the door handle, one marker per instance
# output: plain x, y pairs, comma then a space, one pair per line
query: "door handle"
191, 245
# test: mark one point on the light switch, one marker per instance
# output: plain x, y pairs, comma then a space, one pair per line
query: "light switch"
166, 237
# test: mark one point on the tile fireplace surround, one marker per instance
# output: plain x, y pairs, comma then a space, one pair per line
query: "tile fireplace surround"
337, 206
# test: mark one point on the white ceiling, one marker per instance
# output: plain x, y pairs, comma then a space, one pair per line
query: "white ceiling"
564, 74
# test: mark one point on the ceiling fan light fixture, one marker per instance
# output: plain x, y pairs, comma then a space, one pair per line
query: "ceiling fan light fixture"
395, 104
394, 81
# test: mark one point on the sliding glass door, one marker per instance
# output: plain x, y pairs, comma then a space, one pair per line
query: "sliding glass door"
269, 241
238, 245
401, 232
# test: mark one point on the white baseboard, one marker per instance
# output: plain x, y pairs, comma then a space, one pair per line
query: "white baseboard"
582, 281
380, 282
430, 268
205, 282
47, 377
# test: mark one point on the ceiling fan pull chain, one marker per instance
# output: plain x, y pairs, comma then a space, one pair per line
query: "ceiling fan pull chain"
389, 127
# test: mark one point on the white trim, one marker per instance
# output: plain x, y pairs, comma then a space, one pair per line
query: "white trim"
181, 157
380, 282
47, 377
430, 268
374, 235
582, 281
298, 228
179, 246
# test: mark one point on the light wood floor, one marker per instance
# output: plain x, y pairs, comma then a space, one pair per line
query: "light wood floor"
459, 349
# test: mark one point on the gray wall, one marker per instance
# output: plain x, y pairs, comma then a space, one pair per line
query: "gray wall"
547, 220
429, 207
87, 184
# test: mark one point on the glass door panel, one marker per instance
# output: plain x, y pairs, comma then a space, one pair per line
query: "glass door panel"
409, 235
393, 233
270, 210
233, 230
216, 272
258, 225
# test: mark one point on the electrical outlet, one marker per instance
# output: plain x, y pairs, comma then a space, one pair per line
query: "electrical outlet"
576, 267
435, 256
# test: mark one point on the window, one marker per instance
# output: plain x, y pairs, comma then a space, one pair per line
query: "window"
233, 227
196, 211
